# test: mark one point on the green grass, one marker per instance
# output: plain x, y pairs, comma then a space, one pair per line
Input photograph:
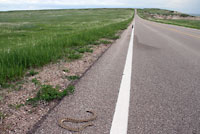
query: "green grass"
149, 15
30, 39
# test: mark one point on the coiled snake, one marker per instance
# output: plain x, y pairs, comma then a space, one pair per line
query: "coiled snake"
78, 129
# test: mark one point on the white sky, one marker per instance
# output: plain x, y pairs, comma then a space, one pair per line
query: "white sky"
188, 6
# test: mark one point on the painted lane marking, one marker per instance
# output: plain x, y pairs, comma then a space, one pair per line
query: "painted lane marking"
120, 119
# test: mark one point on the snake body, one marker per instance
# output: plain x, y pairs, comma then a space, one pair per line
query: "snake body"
78, 129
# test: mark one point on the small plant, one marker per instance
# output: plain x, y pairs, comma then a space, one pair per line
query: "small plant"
2, 116
84, 49
114, 37
58, 87
6, 85
96, 43
72, 54
17, 88
1, 98
15, 106
105, 42
32, 73
71, 88
65, 70
20, 82
71, 78
48, 93
36, 82
18, 106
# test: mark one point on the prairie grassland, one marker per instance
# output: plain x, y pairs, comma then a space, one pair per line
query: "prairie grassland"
150, 14
30, 39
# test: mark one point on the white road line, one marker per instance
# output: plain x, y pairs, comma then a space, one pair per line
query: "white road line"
120, 119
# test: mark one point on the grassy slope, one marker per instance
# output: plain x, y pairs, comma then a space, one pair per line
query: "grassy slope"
148, 14
34, 38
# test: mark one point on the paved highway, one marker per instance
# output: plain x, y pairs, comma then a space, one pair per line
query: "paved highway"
164, 91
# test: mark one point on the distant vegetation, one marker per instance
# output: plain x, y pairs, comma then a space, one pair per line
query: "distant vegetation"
152, 12
166, 16
30, 39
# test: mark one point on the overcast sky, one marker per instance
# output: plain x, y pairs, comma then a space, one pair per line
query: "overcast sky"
187, 6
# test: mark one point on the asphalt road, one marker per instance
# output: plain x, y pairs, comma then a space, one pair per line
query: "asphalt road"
165, 84
165, 93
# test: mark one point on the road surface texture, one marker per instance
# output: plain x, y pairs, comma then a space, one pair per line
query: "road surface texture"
165, 92
165, 84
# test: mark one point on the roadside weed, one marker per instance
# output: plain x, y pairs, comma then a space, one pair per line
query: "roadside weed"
84, 49
32, 72
65, 70
1, 97
74, 56
114, 37
48, 93
2, 116
105, 42
15, 106
36, 82
71, 78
